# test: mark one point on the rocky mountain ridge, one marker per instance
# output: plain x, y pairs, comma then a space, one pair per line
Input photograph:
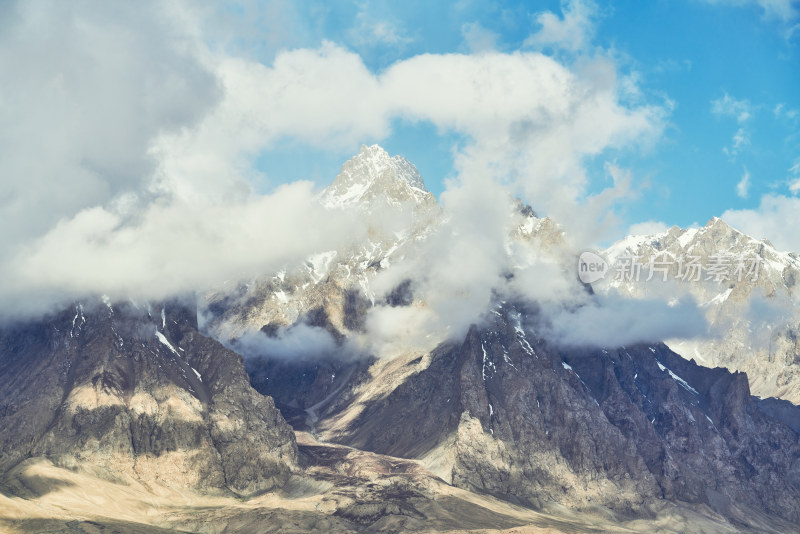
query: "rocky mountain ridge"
498, 428
135, 390
750, 299
504, 412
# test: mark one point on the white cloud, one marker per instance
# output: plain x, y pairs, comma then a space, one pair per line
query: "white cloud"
781, 111
740, 139
572, 31
170, 248
648, 228
84, 90
784, 10
611, 321
533, 122
776, 218
729, 106
150, 155
741, 110
794, 177
369, 30
743, 186
454, 271
296, 342
125, 161
530, 119
477, 38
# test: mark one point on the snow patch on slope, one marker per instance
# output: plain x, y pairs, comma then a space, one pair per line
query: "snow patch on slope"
677, 379
164, 341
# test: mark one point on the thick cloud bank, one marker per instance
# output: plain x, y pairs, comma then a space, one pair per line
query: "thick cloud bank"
130, 140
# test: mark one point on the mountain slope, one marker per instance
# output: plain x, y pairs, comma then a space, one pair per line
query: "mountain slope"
343, 491
621, 437
131, 391
503, 412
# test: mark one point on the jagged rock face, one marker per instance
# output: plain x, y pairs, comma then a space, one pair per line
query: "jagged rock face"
754, 320
300, 387
503, 412
129, 392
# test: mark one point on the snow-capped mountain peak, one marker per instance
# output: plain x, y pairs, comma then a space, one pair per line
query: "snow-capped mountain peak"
374, 175
734, 278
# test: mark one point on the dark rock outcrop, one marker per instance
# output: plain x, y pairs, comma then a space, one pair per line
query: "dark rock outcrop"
504, 412
128, 390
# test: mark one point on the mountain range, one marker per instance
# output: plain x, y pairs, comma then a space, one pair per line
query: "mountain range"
276, 404
752, 316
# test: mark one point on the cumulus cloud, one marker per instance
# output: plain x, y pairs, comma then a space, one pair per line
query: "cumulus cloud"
113, 180
170, 248
84, 90
572, 31
647, 228
139, 165
454, 272
530, 121
611, 321
784, 10
777, 218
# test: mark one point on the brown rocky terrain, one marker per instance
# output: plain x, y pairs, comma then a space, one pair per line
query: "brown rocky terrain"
342, 490
503, 412
107, 427
137, 391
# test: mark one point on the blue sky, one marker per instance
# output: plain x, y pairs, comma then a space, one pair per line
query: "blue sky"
682, 55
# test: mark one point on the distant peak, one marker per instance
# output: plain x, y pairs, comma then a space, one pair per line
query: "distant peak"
716, 221
374, 173
719, 225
